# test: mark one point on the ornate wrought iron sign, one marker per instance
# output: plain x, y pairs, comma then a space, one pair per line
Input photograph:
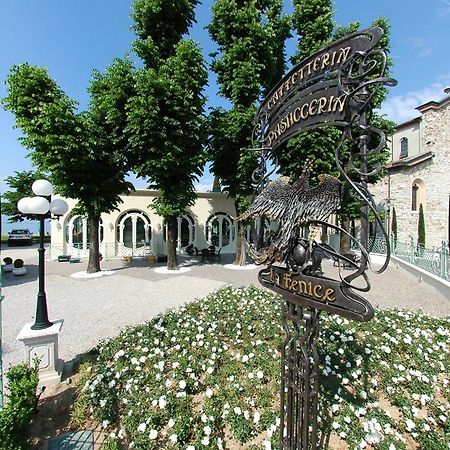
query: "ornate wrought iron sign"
333, 87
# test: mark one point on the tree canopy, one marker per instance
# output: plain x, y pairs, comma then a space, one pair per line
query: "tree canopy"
166, 114
250, 37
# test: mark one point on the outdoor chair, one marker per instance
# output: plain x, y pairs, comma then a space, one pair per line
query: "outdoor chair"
207, 255
352, 257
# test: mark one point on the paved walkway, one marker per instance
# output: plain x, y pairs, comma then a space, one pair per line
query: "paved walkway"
94, 309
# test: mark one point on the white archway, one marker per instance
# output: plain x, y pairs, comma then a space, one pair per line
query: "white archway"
185, 234
134, 233
220, 230
76, 233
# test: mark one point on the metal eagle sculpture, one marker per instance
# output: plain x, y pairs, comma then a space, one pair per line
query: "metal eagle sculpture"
292, 206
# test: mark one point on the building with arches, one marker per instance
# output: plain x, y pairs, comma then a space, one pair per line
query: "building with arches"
136, 230
419, 173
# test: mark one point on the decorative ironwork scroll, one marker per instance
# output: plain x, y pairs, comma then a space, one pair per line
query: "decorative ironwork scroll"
333, 87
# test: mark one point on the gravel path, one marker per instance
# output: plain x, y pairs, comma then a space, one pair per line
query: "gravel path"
94, 309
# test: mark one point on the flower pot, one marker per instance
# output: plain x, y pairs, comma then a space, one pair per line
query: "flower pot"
7, 268
151, 258
19, 271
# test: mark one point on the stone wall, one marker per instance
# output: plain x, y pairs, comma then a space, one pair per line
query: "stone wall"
434, 135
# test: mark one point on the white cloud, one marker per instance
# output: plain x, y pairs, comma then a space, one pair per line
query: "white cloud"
401, 108
445, 11
419, 45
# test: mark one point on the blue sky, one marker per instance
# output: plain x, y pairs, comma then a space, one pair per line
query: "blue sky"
72, 37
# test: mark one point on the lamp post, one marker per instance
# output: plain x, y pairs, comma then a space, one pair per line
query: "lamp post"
43, 209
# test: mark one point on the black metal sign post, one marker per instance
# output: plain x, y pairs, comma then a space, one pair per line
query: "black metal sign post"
333, 87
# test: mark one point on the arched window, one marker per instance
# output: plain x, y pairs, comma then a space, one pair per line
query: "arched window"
185, 232
134, 229
77, 233
417, 194
220, 230
403, 147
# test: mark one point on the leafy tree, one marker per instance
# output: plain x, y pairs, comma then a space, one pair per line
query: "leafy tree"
165, 116
78, 150
20, 186
314, 28
250, 37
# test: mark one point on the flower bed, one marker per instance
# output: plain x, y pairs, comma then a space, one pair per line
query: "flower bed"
207, 376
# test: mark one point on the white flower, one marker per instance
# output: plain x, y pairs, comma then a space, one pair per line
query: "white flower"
142, 427
237, 410
162, 402
102, 403
260, 374
153, 434
105, 423
182, 384
207, 430
210, 370
209, 393
245, 359
256, 417
173, 438
190, 447
205, 441
119, 354
410, 424
267, 445
335, 425
171, 423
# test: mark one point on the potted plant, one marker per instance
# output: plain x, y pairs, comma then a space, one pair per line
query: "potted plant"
18, 267
8, 264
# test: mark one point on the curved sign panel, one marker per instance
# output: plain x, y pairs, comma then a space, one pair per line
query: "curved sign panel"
310, 95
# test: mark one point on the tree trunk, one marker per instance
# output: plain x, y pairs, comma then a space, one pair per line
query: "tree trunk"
345, 243
241, 252
94, 248
172, 263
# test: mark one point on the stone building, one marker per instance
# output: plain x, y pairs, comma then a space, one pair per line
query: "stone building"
419, 173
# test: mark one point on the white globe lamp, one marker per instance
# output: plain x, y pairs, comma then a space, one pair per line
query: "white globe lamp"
58, 207
42, 187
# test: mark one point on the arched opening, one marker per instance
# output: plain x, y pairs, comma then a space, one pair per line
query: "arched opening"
134, 232
220, 230
417, 194
185, 232
403, 147
76, 235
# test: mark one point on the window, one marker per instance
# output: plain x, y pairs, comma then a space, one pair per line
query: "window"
134, 230
417, 194
77, 232
220, 230
403, 147
185, 232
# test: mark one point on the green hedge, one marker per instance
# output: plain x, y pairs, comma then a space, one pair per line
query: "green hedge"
20, 407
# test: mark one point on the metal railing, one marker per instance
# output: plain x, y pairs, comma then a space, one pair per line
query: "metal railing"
107, 249
435, 260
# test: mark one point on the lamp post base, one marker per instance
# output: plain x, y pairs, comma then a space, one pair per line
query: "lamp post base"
43, 344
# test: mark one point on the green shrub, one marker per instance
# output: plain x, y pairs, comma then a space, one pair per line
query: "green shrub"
18, 263
421, 228
7, 260
394, 225
16, 416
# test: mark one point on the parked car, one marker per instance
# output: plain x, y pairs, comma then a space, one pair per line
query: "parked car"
20, 236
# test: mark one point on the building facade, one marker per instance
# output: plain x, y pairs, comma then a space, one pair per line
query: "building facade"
136, 230
419, 174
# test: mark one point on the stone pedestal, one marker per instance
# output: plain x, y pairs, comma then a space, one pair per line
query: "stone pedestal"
43, 344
